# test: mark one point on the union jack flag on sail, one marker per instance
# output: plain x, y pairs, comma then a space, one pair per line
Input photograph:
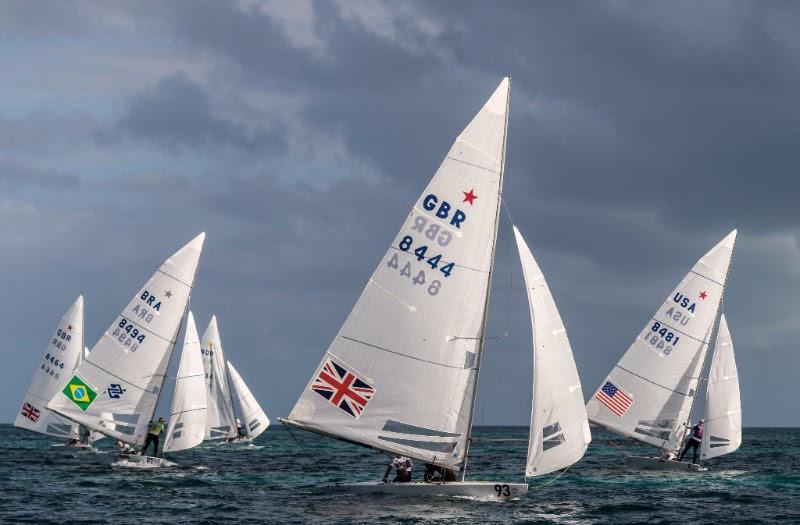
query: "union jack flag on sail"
343, 388
614, 399
30, 412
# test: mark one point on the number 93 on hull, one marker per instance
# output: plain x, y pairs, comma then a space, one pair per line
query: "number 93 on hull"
482, 490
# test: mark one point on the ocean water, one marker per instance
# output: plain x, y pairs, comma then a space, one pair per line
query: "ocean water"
279, 480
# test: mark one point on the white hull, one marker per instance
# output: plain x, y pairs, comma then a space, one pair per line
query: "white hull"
484, 490
77, 446
653, 463
136, 461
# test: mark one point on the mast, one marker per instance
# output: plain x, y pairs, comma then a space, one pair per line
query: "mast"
715, 333
482, 338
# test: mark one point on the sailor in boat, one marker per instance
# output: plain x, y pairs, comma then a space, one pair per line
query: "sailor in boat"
153, 431
434, 474
239, 429
402, 466
125, 449
694, 441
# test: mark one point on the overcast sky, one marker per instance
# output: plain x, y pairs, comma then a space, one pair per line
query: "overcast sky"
298, 134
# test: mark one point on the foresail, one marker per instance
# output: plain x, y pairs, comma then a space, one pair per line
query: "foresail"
187, 419
648, 395
723, 425
52, 373
115, 390
221, 419
559, 430
400, 374
254, 418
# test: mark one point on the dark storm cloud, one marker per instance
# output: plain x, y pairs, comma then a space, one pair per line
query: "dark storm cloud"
14, 175
178, 114
640, 134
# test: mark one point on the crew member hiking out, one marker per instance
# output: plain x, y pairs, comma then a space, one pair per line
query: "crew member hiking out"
402, 466
694, 441
153, 431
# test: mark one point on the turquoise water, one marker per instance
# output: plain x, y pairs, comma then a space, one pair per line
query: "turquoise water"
279, 480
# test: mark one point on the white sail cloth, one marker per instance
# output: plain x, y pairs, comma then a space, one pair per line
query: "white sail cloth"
254, 418
401, 373
221, 420
723, 425
115, 390
649, 393
187, 419
52, 374
559, 430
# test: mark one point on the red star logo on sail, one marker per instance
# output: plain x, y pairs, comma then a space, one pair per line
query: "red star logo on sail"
69, 327
703, 295
469, 196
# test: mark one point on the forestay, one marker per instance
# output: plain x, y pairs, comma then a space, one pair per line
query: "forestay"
254, 419
52, 373
723, 425
221, 422
187, 419
401, 373
115, 390
559, 430
649, 393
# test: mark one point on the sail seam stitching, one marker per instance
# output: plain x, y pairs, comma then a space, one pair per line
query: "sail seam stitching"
651, 382
400, 354
707, 277
680, 332
490, 170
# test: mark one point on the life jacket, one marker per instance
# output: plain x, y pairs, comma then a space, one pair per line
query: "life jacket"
156, 427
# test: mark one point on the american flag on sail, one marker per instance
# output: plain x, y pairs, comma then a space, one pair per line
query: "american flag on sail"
343, 388
30, 412
614, 399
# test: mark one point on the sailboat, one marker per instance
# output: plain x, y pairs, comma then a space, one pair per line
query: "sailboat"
401, 375
255, 420
723, 421
61, 357
650, 393
223, 384
116, 389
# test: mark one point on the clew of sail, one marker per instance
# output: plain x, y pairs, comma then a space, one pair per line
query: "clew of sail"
62, 356
221, 422
253, 417
187, 419
559, 431
723, 425
648, 395
401, 374
115, 390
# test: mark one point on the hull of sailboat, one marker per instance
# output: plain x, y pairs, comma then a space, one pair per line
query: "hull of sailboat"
483, 490
145, 462
74, 446
653, 463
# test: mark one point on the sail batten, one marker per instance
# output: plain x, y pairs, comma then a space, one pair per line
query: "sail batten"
649, 394
116, 388
421, 313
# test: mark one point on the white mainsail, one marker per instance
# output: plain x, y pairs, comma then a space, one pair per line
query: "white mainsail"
723, 425
254, 419
401, 374
53, 373
187, 419
559, 431
221, 420
116, 389
649, 394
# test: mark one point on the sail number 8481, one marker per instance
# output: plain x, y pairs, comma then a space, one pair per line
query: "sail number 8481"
661, 338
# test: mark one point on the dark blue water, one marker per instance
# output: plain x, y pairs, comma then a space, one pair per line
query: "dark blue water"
278, 480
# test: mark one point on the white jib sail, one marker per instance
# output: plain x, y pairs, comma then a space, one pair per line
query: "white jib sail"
723, 426
115, 390
187, 419
221, 420
254, 419
559, 431
401, 373
648, 395
52, 373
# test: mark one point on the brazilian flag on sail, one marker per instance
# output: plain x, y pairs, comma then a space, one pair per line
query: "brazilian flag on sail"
79, 392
